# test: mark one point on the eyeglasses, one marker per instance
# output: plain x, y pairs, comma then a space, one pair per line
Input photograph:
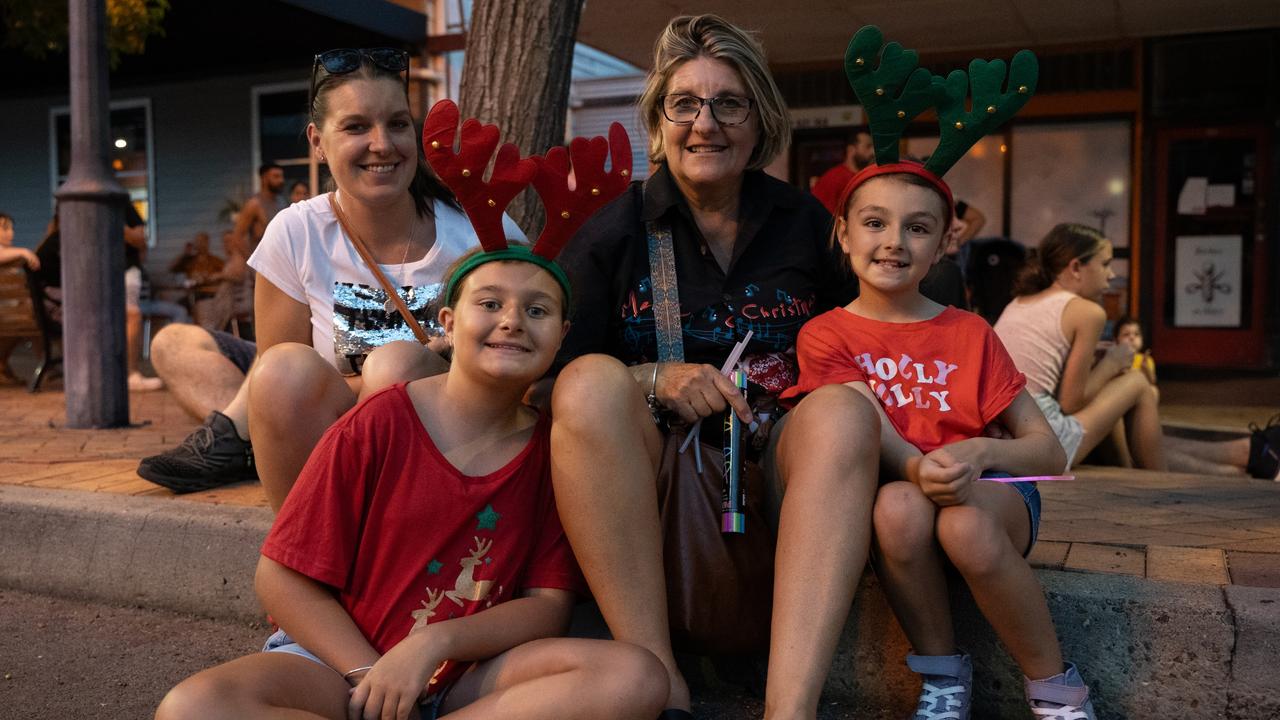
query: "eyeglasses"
348, 60
727, 110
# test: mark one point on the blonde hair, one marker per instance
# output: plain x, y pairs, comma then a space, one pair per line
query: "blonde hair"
693, 36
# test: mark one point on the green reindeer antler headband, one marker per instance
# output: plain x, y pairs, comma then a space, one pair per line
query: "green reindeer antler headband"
897, 91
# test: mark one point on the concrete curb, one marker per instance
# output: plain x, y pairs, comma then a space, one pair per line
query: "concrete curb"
187, 557
1147, 648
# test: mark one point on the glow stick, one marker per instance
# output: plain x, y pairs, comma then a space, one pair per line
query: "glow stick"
1029, 478
733, 496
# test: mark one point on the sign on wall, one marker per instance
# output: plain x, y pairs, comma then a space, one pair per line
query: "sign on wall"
1207, 281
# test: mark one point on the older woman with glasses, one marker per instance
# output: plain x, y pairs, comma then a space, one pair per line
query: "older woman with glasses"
743, 252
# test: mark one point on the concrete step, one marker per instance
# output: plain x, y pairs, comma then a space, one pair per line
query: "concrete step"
1149, 649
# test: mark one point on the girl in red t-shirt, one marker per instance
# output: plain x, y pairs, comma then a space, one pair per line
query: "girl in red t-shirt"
941, 377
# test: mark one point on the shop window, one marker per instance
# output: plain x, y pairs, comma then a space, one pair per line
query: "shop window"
129, 153
280, 135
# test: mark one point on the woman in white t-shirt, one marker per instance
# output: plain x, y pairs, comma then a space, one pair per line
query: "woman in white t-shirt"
328, 334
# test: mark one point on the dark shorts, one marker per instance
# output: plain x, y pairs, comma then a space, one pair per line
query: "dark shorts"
239, 352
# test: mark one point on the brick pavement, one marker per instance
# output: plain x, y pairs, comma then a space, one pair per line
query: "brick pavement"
1163, 526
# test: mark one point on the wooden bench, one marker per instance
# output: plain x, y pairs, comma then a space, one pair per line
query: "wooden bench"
24, 317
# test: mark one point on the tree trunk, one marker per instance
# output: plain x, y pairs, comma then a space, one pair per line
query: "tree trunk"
516, 76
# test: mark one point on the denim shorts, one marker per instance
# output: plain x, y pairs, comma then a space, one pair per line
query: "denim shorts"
1031, 496
280, 642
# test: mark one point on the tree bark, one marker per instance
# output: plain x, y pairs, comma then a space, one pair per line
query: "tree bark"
516, 76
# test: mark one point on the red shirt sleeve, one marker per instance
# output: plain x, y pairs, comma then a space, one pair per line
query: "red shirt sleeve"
317, 530
824, 357
1001, 381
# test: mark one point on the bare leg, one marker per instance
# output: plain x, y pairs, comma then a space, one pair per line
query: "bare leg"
294, 396
133, 338
605, 452
908, 562
828, 459
984, 539
562, 679
1131, 397
1184, 463
1228, 452
265, 685
199, 377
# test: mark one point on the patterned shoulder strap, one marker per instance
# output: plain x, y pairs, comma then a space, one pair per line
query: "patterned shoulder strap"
666, 296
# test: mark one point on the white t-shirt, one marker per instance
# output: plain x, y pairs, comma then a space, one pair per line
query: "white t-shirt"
305, 253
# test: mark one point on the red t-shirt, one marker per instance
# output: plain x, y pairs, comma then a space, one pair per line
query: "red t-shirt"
830, 185
380, 515
940, 381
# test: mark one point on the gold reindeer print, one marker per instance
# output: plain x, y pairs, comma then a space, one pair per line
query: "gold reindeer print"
466, 587
428, 611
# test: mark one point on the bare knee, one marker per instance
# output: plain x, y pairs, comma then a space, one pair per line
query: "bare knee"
903, 518
835, 421
972, 539
176, 339
595, 388
628, 677
397, 362
204, 695
288, 372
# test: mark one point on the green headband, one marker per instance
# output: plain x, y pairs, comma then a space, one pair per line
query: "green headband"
518, 253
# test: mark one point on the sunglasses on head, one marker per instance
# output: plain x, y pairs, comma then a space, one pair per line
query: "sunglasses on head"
348, 60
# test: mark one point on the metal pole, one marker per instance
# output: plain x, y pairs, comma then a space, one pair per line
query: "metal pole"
91, 220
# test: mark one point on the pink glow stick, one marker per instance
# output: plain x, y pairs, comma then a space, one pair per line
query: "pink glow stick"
1029, 478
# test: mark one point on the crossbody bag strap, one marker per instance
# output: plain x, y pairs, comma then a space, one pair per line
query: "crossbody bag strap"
387, 287
666, 295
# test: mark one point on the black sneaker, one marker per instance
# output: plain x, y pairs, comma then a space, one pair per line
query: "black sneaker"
212, 455
1264, 450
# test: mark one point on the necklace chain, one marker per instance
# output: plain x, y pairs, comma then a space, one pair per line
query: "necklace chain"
390, 304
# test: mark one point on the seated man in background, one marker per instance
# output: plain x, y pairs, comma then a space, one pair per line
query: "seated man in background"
9, 256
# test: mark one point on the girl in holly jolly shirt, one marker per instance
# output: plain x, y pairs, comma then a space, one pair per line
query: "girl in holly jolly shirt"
941, 377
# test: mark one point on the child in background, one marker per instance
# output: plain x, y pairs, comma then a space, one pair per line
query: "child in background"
1129, 332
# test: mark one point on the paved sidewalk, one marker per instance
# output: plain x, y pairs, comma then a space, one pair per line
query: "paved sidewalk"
1161, 526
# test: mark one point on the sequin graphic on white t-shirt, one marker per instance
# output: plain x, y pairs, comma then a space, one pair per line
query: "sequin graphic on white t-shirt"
362, 323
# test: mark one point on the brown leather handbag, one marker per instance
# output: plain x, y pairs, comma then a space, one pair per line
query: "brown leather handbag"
719, 585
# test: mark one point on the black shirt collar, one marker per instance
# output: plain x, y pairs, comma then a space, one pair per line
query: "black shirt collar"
661, 194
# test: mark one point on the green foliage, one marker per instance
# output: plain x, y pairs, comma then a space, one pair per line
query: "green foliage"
38, 28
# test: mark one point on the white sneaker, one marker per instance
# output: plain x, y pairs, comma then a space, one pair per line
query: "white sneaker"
138, 383
1061, 697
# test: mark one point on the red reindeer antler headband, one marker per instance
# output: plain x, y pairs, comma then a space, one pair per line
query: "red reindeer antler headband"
567, 208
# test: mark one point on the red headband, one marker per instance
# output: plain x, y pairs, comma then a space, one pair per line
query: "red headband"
908, 167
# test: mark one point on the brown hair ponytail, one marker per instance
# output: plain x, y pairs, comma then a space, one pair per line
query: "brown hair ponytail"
1064, 243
